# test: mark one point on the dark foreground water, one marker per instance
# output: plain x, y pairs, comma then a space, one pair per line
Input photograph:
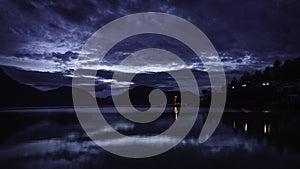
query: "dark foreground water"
53, 138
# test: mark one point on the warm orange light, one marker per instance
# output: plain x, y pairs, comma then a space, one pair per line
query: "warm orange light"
176, 112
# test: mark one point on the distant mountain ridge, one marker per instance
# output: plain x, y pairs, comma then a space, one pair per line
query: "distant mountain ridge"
15, 94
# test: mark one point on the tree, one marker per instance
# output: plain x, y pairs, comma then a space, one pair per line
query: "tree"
234, 82
246, 77
268, 73
276, 70
276, 64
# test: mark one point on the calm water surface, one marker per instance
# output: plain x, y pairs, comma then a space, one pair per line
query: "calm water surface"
53, 138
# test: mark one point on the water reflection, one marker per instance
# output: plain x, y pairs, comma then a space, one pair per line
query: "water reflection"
267, 128
278, 128
246, 128
58, 141
233, 125
176, 112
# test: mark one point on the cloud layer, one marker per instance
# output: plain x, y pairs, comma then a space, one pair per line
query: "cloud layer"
45, 36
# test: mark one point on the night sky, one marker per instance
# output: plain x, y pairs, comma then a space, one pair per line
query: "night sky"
40, 40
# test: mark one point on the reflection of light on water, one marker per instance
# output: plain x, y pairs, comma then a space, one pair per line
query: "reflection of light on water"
233, 125
267, 128
176, 112
245, 128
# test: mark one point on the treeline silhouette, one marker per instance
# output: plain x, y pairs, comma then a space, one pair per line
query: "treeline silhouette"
276, 85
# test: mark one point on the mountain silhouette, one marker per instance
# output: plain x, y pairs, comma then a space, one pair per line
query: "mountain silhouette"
139, 96
15, 94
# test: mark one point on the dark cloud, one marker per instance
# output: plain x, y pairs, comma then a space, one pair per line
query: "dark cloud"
68, 56
248, 25
251, 25
75, 11
26, 6
48, 35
